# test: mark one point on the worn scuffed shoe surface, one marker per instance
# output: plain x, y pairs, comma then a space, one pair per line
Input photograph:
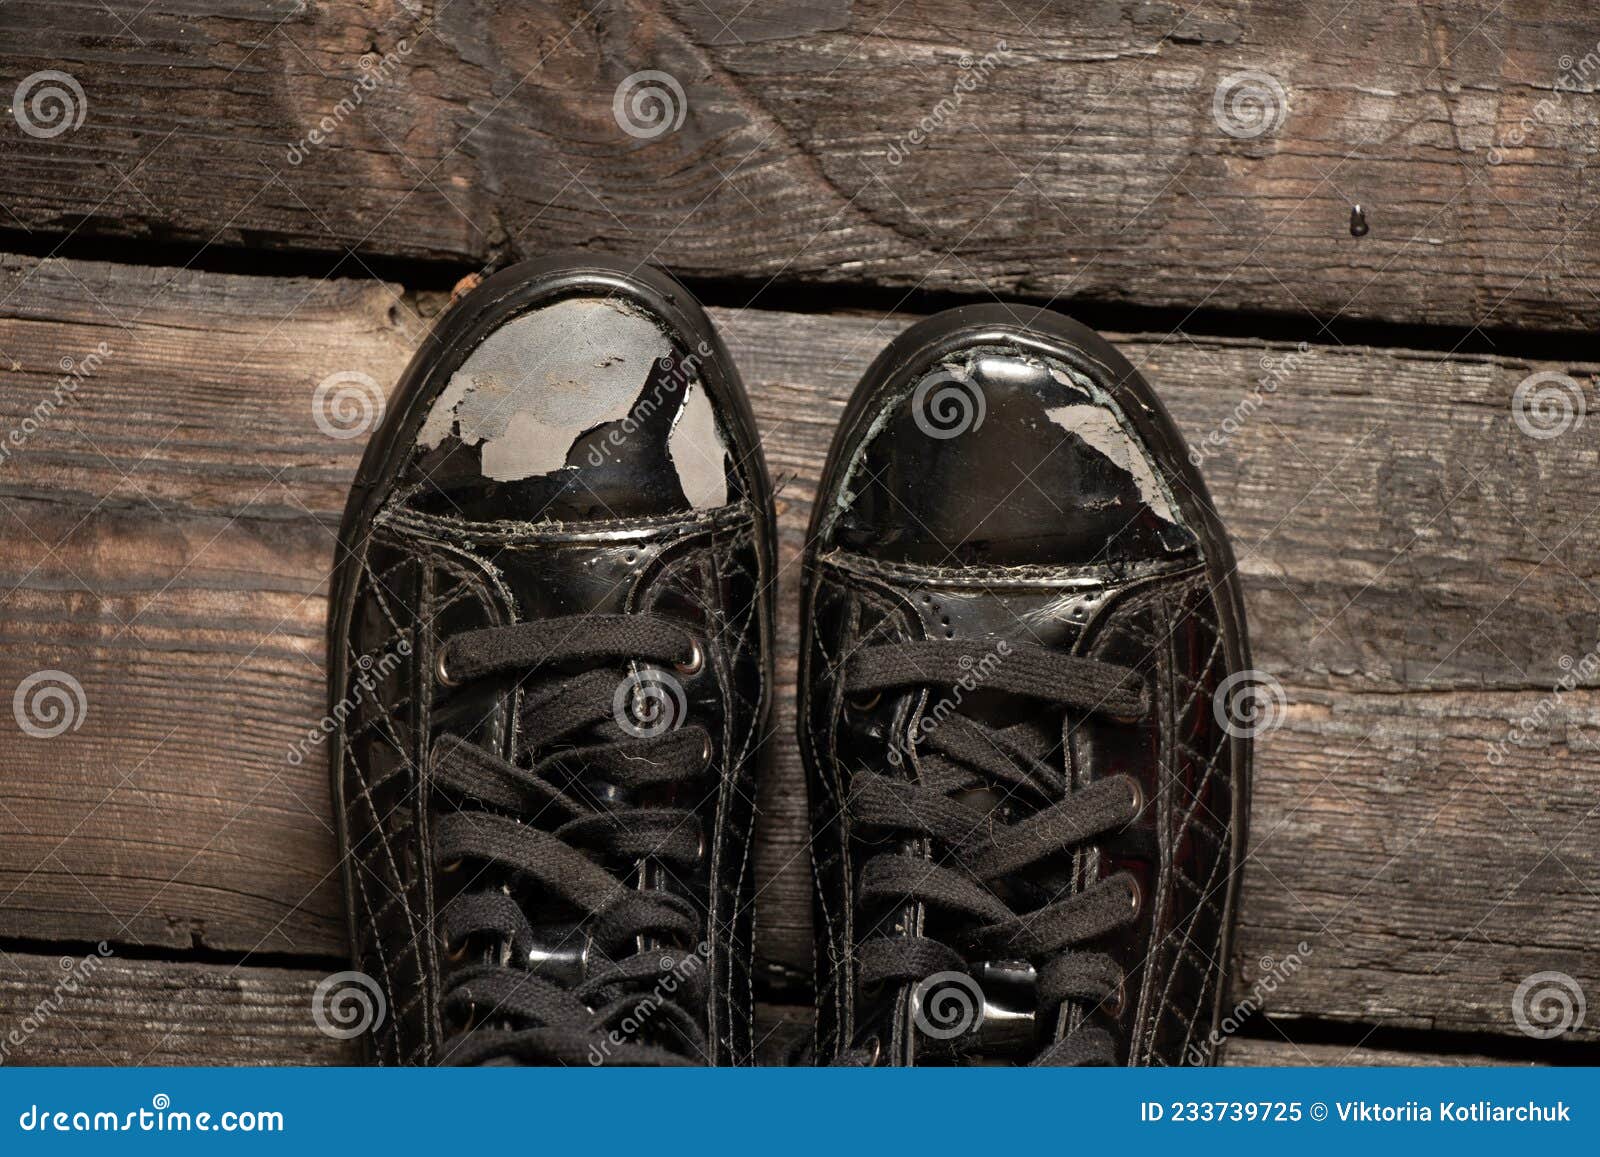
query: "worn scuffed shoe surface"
1021, 627
549, 668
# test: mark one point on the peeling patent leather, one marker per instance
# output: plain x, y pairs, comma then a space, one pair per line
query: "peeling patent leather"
436, 548
1021, 528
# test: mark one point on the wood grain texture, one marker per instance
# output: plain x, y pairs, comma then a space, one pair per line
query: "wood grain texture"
976, 147
1416, 569
84, 1009
1245, 1052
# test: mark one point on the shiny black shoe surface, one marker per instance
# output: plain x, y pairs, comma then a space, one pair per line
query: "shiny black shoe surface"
1020, 623
550, 644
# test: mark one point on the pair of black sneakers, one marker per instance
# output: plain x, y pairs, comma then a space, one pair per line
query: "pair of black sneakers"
551, 672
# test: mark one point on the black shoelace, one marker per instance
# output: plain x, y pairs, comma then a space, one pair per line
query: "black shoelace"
994, 888
578, 831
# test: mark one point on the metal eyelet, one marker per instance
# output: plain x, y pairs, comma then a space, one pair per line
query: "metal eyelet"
707, 751
440, 671
457, 953
875, 1046
865, 702
1136, 804
695, 661
1135, 895
1117, 1002
451, 866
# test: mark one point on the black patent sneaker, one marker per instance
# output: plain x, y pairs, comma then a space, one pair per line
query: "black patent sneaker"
1020, 618
550, 652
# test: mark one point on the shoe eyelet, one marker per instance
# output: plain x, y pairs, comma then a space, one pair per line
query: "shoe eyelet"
695, 661
1115, 1004
1135, 895
450, 867
1136, 803
864, 702
707, 751
700, 850
456, 953
874, 1046
440, 671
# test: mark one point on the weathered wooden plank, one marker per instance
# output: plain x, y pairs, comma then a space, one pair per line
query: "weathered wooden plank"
1091, 151
1243, 1051
1416, 569
87, 1009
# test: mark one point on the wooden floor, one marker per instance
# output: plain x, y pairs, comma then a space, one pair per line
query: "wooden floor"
263, 195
